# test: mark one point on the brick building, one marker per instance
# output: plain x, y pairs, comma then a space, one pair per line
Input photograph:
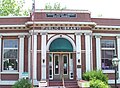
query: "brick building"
58, 43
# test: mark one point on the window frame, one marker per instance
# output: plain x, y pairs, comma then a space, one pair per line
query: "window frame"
107, 49
10, 48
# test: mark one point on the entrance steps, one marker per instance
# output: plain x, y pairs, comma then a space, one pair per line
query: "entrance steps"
71, 84
67, 84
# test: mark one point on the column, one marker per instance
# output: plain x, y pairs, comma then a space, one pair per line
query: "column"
29, 56
21, 55
78, 55
87, 51
98, 52
34, 57
118, 53
43, 56
0, 56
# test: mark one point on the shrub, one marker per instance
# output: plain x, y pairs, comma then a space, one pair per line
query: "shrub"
98, 84
23, 83
98, 75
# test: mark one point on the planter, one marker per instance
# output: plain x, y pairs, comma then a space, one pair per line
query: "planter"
10, 68
83, 83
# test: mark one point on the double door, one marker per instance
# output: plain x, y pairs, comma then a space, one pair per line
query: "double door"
61, 66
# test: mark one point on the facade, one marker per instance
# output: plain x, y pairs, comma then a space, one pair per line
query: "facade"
56, 45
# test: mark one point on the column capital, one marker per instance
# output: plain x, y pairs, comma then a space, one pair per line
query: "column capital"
0, 36
118, 36
43, 33
88, 33
78, 33
28, 35
21, 36
33, 33
98, 36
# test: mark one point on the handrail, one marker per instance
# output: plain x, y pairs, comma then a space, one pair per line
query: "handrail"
63, 81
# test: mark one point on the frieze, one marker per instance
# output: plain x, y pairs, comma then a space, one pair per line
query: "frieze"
61, 28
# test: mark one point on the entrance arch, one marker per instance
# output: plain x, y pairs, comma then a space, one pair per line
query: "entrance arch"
61, 36
61, 45
61, 57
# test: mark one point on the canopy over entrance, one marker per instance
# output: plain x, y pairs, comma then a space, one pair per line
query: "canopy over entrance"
61, 45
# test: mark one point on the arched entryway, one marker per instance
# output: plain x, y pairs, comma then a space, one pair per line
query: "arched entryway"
61, 59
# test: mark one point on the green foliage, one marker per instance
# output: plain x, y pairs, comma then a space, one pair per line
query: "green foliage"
95, 83
23, 83
12, 8
56, 6
98, 75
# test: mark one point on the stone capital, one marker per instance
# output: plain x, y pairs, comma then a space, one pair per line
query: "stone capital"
98, 36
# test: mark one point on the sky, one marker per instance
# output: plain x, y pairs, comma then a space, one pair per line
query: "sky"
98, 8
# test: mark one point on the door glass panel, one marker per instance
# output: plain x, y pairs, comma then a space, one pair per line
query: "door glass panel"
65, 64
56, 64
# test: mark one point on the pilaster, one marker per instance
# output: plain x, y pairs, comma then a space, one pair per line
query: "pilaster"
98, 52
118, 53
43, 55
88, 51
21, 55
78, 55
0, 55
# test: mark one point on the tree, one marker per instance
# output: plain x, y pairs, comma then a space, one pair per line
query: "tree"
57, 6
12, 8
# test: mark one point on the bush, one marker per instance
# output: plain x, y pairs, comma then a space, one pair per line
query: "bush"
98, 75
23, 83
98, 84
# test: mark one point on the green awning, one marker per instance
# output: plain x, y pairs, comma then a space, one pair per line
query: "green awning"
61, 45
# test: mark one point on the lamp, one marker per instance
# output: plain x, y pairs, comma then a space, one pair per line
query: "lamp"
115, 61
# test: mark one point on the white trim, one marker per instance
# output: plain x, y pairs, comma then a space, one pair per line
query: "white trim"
12, 25
43, 56
29, 56
100, 26
8, 82
59, 36
51, 22
0, 54
12, 72
35, 58
13, 34
21, 56
118, 52
108, 71
61, 31
113, 81
98, 52
63, 11
78, 55
106, 34
88, 55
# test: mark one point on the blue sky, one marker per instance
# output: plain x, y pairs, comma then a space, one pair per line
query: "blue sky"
106, 8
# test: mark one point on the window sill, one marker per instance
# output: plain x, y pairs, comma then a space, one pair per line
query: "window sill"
9, 72
108, 71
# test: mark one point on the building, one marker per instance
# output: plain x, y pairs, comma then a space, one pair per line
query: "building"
57, 44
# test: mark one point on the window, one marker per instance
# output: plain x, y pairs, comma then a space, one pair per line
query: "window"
10, 54
65, 64
56, 67
107, 53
